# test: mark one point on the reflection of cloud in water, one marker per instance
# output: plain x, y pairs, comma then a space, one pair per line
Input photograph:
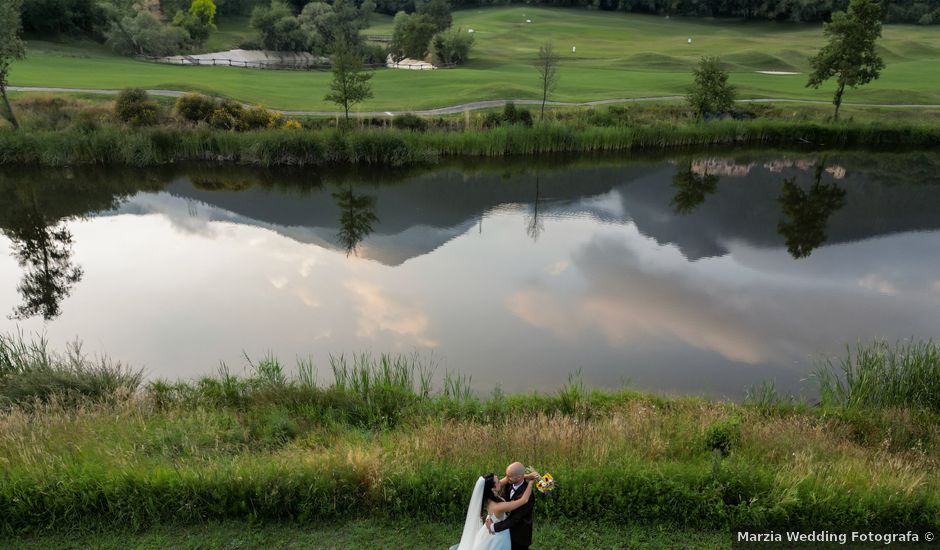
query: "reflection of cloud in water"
878, 284
381, 313
638, 294
193, 219
608, 206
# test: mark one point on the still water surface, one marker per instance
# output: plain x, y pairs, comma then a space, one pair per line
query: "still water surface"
697, 275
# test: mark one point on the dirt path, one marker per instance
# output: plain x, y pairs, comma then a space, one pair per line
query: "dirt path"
476, 105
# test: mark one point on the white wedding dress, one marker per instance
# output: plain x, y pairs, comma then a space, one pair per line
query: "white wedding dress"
475, 534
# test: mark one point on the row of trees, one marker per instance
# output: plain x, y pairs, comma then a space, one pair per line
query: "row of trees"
86, 16
317, 28
925, 12
126, 25
132, 30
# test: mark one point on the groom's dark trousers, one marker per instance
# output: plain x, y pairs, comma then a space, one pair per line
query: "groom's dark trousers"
519, 521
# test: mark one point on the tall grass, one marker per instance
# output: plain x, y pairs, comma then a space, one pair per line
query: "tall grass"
109, 145
879, 374
382, 439
31, 373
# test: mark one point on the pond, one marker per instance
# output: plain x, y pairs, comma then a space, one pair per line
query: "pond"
698, 274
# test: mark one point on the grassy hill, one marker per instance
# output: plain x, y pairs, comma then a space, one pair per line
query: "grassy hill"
617, 55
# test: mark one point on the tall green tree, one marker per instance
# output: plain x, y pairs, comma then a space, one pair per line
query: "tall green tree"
199, 21
710, 91
438, 11
12, 48
547, 66
850, 54
411, 35
350, 84
278, 28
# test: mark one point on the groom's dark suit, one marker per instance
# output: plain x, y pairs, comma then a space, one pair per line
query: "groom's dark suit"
519, 521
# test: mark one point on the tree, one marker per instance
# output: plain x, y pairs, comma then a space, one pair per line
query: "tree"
807, 213
547, 66
350, 84
143, 34
278, 28
438, 12
710, 91
326, 25
850, 54
451, 47
199, 21
411, 36
11, 49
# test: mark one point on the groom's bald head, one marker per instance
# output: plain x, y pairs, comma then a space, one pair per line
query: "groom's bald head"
515, 472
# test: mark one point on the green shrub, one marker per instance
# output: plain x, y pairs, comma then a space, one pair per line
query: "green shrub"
258, 118
724, 435
134, 107
229, 115
514, 115
196, 107
410, 121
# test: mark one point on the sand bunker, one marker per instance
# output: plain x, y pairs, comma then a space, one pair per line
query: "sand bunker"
776, 72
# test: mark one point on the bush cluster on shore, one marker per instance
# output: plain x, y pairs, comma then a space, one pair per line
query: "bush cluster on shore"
383, 440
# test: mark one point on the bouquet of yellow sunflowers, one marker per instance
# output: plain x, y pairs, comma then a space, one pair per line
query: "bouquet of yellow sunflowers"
545, 484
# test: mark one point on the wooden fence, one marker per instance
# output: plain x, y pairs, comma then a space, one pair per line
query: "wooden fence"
280, 65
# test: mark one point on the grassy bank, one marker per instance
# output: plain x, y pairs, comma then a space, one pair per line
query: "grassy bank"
617, 55
58, 131
385, 441
392, 147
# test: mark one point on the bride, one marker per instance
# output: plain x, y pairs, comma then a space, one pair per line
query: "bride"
488, 497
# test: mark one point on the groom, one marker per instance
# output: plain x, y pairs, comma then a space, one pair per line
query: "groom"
519, 521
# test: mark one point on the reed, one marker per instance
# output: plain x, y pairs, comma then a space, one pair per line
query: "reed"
31, 373
878, 374
112, 145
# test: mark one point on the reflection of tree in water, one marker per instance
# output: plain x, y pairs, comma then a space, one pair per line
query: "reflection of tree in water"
34, 204
44, 251
807, 213
691, 188
534, 224
356, 217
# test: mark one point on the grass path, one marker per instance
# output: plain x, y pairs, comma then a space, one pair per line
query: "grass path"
364, 535
617, 55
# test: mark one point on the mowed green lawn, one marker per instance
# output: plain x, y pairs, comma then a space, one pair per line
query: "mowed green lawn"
618, 56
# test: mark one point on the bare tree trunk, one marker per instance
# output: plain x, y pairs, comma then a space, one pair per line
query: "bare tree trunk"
544, 99
838, 99
9, 110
